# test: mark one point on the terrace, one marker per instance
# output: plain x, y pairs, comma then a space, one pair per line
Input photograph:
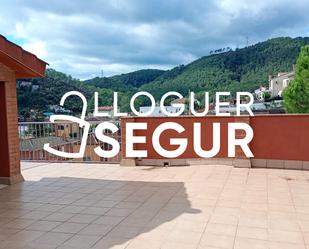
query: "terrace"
73, 204
78, 205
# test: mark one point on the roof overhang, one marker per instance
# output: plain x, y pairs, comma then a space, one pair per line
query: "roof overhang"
23, 63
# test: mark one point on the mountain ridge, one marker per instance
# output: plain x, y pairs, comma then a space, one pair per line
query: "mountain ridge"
238, 70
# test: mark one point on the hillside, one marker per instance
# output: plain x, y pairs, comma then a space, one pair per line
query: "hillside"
48, 91
39, 93
242, 69
128, 81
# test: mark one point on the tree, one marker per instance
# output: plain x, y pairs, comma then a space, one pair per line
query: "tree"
296, 95
105, 98
266, 96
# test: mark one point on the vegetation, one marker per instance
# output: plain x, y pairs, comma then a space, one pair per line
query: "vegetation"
126, 82
266, 96
296, 95
48, 91
242, 69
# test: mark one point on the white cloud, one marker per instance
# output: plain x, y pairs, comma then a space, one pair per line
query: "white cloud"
83, 37
37, 47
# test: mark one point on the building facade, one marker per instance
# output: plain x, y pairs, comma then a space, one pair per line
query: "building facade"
278, 83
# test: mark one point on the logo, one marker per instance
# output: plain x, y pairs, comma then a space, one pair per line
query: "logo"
131, 128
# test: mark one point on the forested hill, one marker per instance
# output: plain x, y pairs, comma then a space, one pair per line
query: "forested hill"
38, 94
126, 81
242, 69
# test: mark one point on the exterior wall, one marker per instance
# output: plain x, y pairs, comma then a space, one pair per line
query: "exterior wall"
277, 86
69, 129
187, 123
282, 137
9, 146
280, 141
280, 82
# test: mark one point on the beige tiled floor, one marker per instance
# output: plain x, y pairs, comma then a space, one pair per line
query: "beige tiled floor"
72, 205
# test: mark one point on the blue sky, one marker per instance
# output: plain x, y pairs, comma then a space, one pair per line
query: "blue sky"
18, 40
82, 38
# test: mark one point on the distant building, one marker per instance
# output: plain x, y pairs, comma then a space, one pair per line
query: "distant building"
261, 92
256, 107
58, 109
48, 114
24, 83
34, 88
180, 101
64, 137
92, 143
95, 120
259, 107
32, 148
157, 111
279, 82
67, 129
105, 109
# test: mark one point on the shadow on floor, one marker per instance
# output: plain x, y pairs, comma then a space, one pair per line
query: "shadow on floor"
107, 213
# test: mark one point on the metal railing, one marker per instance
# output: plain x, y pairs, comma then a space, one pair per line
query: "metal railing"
64, 136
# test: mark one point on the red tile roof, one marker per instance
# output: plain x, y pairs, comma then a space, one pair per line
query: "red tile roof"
25, 64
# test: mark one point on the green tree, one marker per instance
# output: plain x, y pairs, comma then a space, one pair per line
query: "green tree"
296, 95
105, 97
266, 95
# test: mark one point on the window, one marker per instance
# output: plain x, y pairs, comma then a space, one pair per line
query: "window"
286, 83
